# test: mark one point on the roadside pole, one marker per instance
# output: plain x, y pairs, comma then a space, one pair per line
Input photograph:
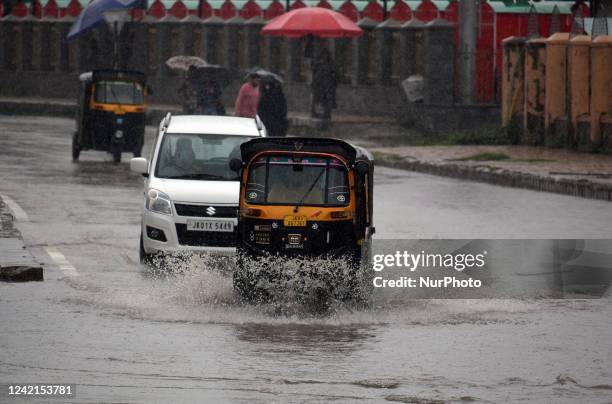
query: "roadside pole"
115, 19
468, 25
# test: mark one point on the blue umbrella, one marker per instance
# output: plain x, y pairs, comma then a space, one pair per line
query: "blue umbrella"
93, 14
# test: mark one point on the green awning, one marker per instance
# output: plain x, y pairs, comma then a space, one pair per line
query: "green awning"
523, 7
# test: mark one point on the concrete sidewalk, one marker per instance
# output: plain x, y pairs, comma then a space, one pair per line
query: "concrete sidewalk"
300, 123
554, 170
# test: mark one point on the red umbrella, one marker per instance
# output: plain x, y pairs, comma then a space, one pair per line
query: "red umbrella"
317, 21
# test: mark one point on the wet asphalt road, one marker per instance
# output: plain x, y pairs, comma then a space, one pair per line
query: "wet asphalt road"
104, 322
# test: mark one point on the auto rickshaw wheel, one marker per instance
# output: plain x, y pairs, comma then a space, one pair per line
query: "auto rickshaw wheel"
248, 291
116, 152
76, 148
243, 288
359, 285
246, 286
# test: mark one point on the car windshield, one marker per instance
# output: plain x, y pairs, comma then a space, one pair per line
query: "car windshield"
119, 92
198, 156
283, 180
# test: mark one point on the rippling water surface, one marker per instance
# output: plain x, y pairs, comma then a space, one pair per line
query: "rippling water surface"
400, 350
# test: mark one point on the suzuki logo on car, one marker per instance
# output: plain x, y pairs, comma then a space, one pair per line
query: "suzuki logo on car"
211, 211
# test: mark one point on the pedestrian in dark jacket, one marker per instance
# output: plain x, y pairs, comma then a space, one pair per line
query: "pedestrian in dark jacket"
209, 98
272, 107
189, 91
324, 82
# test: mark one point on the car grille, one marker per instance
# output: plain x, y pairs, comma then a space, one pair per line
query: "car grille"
204, 238
202, 210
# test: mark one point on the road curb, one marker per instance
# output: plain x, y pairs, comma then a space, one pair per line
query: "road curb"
65, 110
16, 262
21, 273
580, 188
299, 125
43, 107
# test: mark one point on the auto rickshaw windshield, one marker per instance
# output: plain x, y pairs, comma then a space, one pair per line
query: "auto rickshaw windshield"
119, 92
283, 180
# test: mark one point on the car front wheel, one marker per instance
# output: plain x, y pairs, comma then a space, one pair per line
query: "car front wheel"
144, 257
76, 148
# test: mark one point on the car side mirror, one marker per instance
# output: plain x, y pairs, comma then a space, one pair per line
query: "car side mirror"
140, 165
235, 164
362, 167
149, 90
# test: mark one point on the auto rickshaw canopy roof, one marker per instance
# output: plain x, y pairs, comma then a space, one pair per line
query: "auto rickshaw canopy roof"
100, 75
304, 144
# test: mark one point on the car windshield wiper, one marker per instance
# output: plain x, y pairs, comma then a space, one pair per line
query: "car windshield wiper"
309, 190
197, 177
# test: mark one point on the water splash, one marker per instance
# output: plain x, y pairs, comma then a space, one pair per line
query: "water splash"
199, 289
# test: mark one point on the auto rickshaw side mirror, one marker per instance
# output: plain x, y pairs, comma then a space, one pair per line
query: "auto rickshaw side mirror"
362, 167
235, 164
140, 165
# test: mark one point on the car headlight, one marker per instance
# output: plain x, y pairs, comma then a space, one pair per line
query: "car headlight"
158, 202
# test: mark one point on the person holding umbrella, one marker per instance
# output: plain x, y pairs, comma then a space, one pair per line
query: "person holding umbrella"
248, 97
318, 22
202, 87
189, 91
272, 107
209, 98
323, 85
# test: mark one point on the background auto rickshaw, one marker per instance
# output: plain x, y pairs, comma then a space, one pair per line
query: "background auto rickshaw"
111, 113
304, 198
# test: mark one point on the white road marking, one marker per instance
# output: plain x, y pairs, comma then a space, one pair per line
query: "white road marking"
18, 213
64, 265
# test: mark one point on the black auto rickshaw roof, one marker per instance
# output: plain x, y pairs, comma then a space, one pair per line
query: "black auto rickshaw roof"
304, 144
101, 75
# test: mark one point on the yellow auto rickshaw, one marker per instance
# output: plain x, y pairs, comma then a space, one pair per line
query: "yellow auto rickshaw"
303, 198
111, 113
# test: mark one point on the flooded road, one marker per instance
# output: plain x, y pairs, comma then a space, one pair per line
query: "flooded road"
122, 333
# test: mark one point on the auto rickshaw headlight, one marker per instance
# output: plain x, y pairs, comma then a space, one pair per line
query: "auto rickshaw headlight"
158, 202
250, 212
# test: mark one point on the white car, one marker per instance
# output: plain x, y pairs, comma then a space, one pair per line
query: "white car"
190, 192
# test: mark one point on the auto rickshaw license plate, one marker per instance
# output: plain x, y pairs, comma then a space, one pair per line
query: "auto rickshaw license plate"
295, 221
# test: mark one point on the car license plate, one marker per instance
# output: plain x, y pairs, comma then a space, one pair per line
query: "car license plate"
210, 225
295, 221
